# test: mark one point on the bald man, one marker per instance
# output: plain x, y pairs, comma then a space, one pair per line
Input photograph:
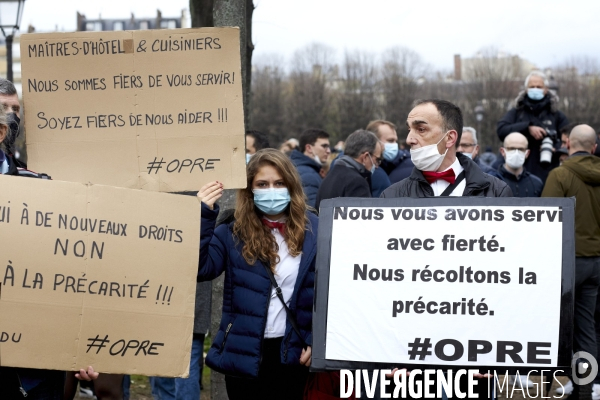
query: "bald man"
521, 182
579, 176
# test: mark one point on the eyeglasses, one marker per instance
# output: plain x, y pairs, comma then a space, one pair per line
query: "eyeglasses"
467, 145
378, 160
515, 148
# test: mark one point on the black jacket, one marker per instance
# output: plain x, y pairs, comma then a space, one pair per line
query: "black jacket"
399, 168
526, 113
525, 185
16, 167
477, 183
347, 179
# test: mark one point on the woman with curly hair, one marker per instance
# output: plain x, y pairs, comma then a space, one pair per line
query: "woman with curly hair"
262, 352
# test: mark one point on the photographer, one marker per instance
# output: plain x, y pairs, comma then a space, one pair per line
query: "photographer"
536, 116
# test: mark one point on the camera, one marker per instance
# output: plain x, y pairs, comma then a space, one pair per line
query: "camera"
547, 146
546, 150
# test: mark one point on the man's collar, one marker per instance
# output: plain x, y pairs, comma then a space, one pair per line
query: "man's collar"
504, 170
351, 162
581, 153
456, 167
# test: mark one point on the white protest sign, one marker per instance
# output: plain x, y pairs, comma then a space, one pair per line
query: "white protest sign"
464, 285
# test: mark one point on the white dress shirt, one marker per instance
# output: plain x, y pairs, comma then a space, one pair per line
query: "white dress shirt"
440, 185
4, 165
286, 273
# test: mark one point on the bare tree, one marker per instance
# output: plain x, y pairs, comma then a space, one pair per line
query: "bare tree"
579, 84
493, 81
308, 98
357, 92
209, 13
268, 91
401, 71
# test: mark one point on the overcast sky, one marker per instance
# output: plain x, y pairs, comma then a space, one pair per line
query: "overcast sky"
544, 32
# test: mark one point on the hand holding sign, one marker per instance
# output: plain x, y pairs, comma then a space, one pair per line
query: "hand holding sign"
306, 356
87, 374
210, 193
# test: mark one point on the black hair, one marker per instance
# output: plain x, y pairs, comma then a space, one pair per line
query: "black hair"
261, 141
452, 118
310, 136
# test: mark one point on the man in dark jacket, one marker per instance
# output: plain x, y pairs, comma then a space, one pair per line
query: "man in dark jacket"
255, 141
435, 130
9, 100
521, 182
351, 176
579, 176
536, 116
469, 147
314, 144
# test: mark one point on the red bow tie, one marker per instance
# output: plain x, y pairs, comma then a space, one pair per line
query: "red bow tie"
280, 226
447, 175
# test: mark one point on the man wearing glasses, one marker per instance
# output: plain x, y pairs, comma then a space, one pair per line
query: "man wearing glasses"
309, 158
469, 147
351, 175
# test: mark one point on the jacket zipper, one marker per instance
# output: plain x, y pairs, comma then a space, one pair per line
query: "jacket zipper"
225, 337
262, 339
23, 392
287, 341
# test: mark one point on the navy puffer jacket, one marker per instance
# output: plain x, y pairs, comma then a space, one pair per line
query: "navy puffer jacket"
236, 348
309, 173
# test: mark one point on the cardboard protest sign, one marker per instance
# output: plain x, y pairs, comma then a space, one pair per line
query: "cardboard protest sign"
445, 281
96, 275
159, 110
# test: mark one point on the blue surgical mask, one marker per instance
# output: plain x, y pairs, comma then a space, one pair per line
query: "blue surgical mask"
390, 151
271, 201
372, 170
470, 155
535, 93
248, 157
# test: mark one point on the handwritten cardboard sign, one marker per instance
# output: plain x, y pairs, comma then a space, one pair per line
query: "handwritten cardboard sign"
159, 110
96, 275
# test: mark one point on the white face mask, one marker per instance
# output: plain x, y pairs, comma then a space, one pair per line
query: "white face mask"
428, 158
515, 159
318, 160
470, 155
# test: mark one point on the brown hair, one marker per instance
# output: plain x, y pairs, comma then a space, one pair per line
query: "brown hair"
374, 126
259, 243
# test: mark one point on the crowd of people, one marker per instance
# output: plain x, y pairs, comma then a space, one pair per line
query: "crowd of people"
267, 245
